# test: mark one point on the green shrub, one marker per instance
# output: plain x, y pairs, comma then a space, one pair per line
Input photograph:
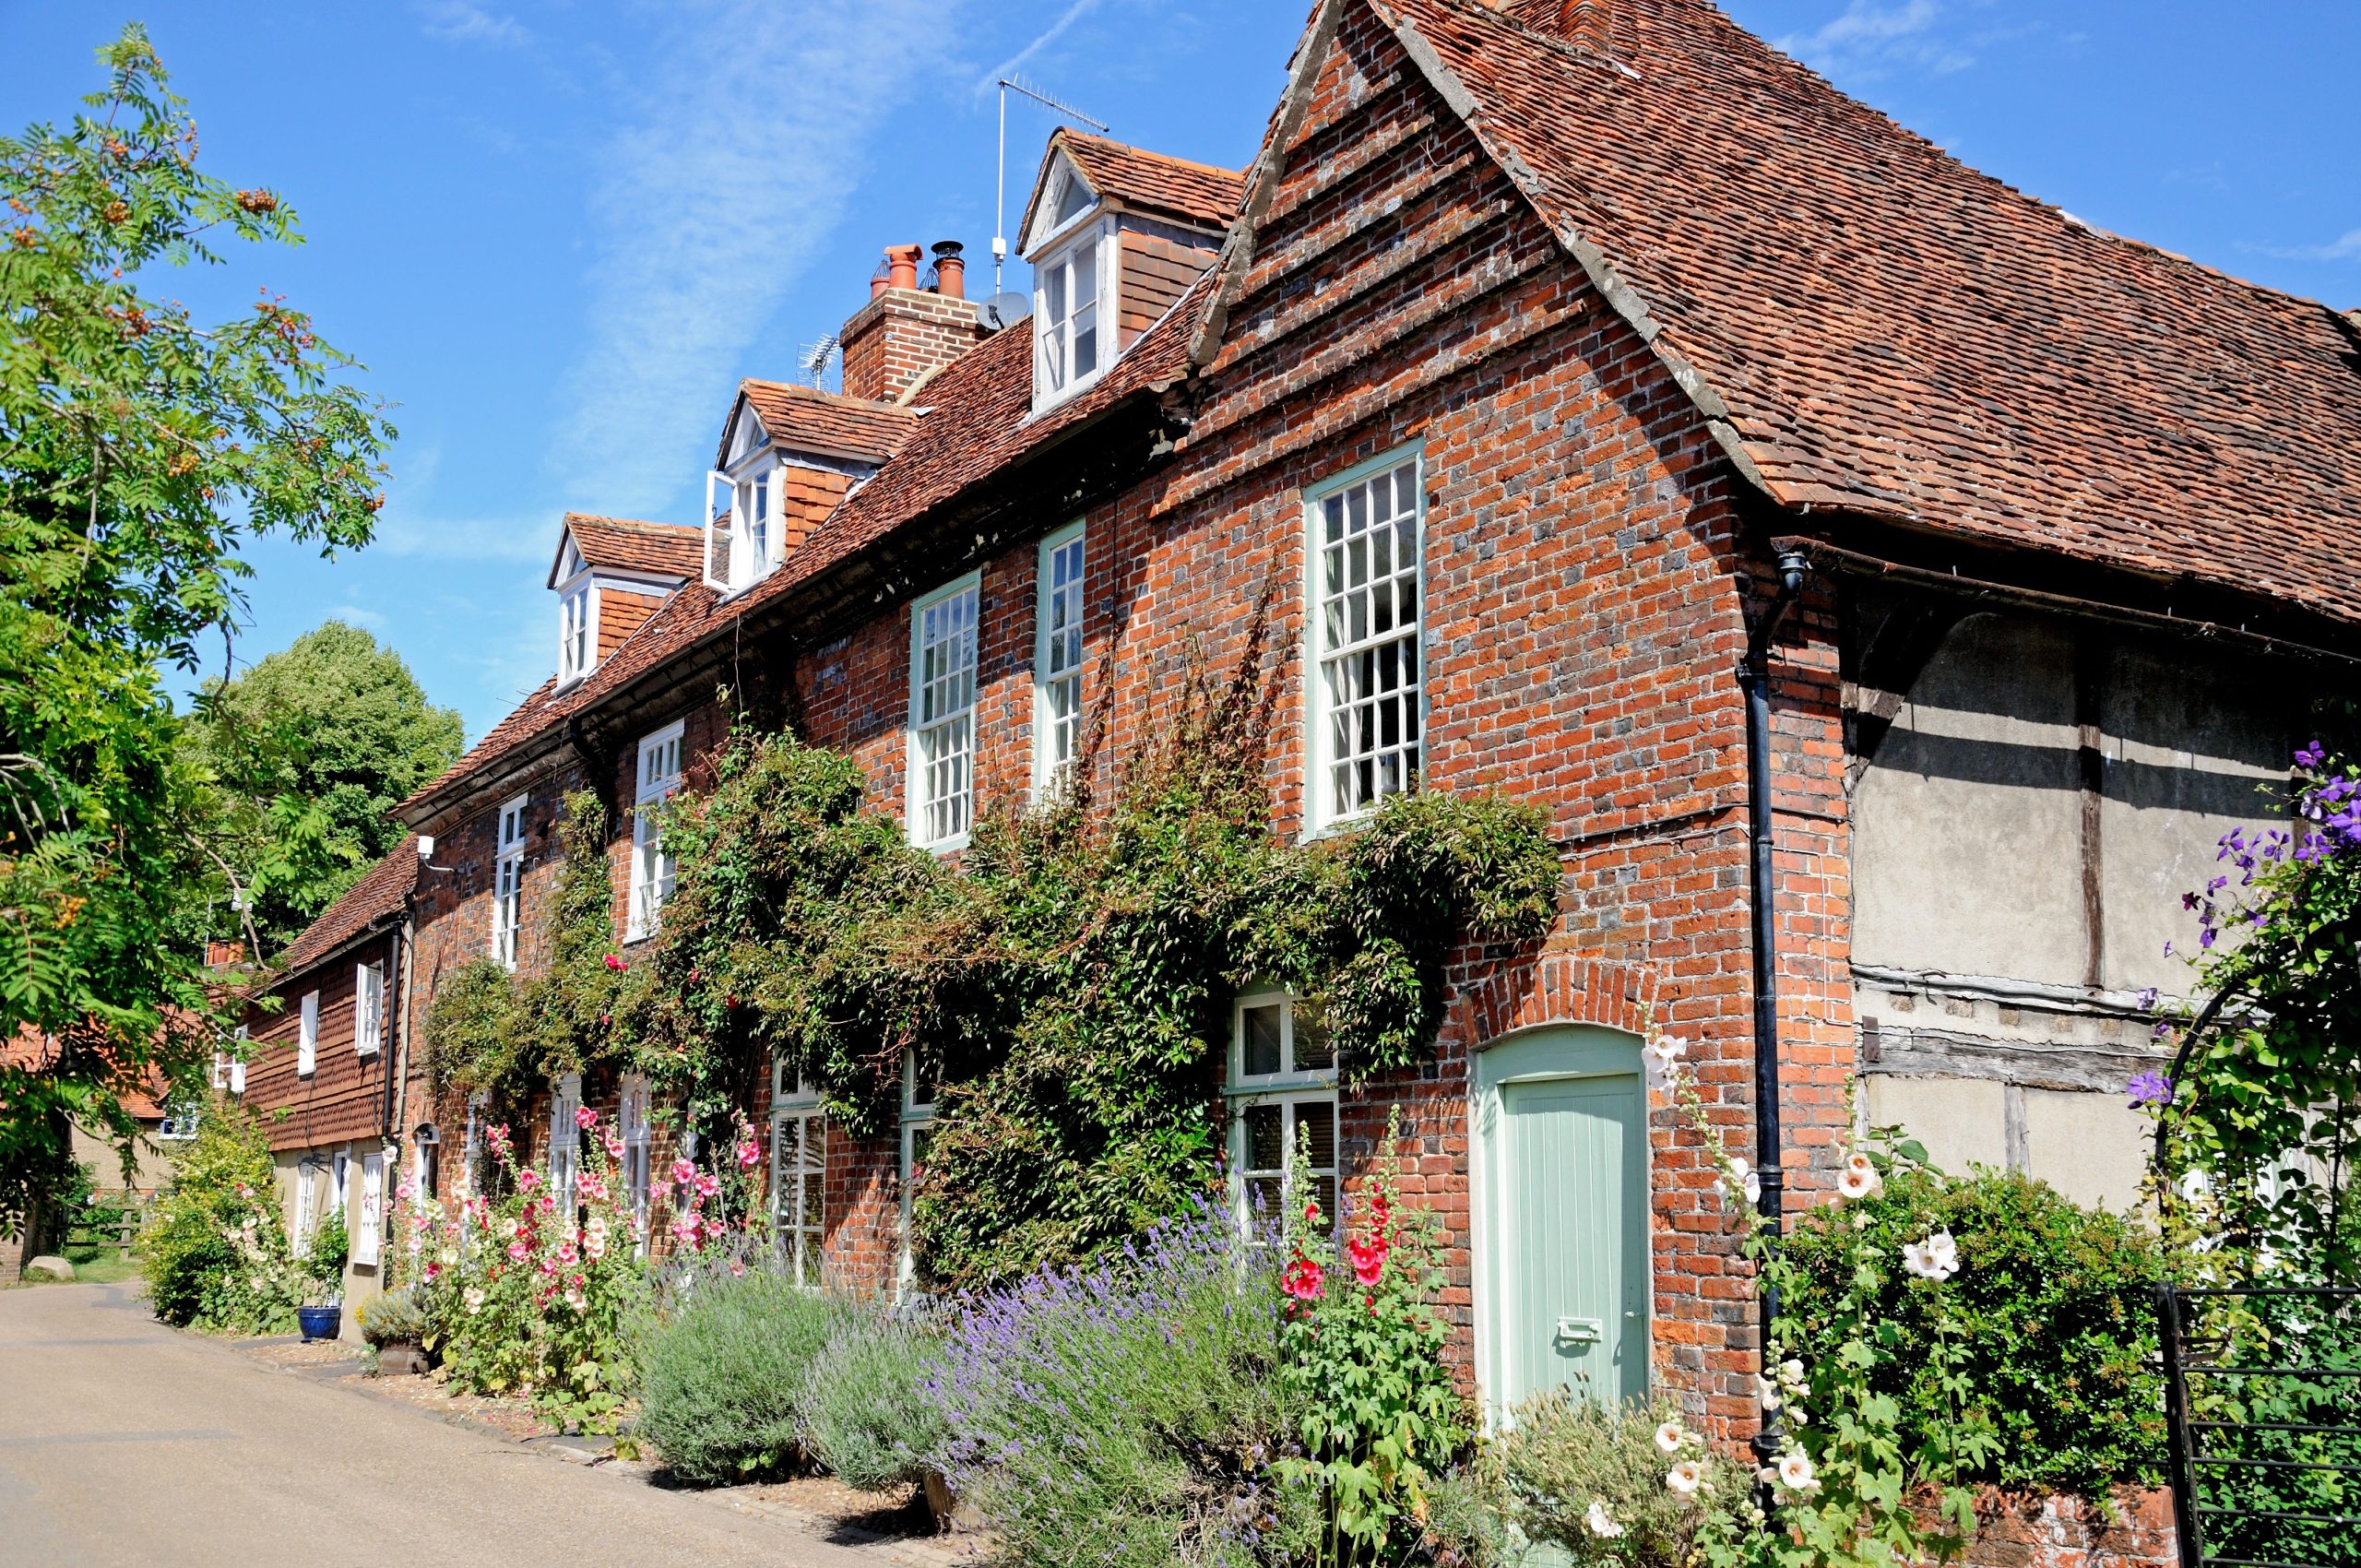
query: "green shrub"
2055, 1305
393, 1317
867, 1415
214, 1250
1125, 1414
1559, 1456
723, 1395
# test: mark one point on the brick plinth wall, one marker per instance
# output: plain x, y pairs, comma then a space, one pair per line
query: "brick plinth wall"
2066, 1532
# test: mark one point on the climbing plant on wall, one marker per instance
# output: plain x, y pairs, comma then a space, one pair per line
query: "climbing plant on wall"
1070, 977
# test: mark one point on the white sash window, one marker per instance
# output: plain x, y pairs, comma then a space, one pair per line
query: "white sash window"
652, 868
1057, 658
1367, 688
508, 880
368, 1008
943, 715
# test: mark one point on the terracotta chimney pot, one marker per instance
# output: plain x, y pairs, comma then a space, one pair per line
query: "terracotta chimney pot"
950, 269
902, 266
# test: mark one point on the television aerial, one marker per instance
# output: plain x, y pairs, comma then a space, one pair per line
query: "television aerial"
999, 192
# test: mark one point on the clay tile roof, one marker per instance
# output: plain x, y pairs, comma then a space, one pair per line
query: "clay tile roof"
1197, 194
375, 896
804, 418
1897, 336
666, 549
982, 419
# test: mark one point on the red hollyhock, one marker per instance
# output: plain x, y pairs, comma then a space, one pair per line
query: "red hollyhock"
1368, 1258
1302, 1279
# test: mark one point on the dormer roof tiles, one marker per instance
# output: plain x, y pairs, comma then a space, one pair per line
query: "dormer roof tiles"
804, 418
664, 550
1197, 194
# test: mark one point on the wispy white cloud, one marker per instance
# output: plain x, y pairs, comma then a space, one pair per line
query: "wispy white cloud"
1871, 37
423, 533
462, 21
1046, 36
751, 129
2346, 247
358, 615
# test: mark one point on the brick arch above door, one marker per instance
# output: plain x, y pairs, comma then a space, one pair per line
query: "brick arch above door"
1552, 988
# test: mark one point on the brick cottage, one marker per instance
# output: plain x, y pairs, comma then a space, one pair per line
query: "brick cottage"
1547, 352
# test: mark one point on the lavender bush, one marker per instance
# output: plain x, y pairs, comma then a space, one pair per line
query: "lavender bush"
1125, 1412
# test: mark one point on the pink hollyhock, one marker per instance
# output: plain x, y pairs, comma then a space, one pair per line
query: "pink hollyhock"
516, 1252
585, 1118
615, 962
549, 1266
1302, 1279
527, 1179
708, 1184
749, 1157
683, 1172
404, 1191
614, 1146
1368, 1258
567, 1252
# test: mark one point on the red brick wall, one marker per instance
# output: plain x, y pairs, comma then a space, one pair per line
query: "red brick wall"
2066, 1532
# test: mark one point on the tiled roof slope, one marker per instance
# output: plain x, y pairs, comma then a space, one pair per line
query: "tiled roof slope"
1894, 334
1195, 194
808, 420
666, 549
372, 899
981, 420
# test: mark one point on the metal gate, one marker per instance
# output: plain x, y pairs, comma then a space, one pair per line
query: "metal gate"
2263, 1398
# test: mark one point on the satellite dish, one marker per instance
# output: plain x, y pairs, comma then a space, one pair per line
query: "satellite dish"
1005, 309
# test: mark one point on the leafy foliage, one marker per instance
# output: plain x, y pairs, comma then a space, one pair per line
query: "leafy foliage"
1588, 1480
2054, 1310
140, 451
2263, 1120
1070, 978
317, 741
726, 1378
538, 1293
1126, 1412
214, 1250
1361, 1366
866, 1412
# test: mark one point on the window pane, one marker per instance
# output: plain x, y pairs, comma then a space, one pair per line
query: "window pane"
1261, 1040
1085, 274
1265, 1138
1314, 1052
1264, 1199
1316, 1119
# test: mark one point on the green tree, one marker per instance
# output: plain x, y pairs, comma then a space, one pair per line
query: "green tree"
337, 724
140, 451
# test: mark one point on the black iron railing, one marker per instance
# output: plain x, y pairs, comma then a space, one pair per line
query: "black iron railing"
2263, 1396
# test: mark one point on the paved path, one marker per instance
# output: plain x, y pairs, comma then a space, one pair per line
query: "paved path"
121, 1442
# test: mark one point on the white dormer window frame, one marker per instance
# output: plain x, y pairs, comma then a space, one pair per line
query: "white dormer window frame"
368, 1008
577, 629
1075, 282
742, 521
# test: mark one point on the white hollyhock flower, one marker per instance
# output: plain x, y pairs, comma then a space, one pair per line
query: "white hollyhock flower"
1766, 1393
1794, 1472
1665, 1053
1857, 1182
1791, 1372
1601, 1522
1670, 1437
1860, 1162
1934, 1258
1685, 1477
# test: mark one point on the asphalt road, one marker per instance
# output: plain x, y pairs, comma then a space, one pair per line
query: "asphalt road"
124, 1443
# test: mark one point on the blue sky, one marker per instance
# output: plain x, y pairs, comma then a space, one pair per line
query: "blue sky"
559, 232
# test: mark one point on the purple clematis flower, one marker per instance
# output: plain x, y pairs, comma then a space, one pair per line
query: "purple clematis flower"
2311, 756
2150, 1088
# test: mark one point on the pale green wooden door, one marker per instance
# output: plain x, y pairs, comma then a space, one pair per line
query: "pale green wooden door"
1574, 1230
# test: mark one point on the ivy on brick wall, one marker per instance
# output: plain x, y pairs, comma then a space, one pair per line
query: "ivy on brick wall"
1069, 979
489, 1029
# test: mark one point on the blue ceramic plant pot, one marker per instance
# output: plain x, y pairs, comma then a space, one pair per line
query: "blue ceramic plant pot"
319, 1322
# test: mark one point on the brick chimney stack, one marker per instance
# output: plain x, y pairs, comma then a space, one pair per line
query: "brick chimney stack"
906, 333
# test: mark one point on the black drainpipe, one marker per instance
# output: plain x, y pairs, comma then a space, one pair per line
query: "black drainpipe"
1754, 679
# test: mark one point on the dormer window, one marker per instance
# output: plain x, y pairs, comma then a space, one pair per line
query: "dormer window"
1070, 295
577, 631
741, 536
